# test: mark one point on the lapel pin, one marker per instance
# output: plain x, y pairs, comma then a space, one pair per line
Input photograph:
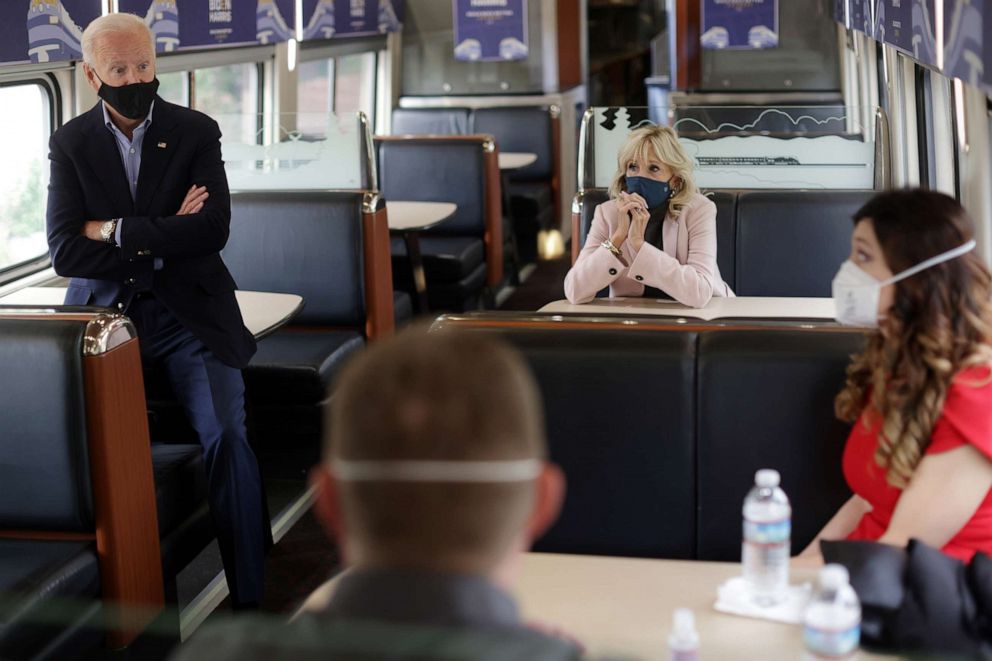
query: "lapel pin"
161, 145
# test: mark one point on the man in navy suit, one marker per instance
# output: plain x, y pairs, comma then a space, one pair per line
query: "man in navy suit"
138, 211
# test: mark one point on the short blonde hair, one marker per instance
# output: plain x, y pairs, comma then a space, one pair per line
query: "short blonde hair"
113, 23
441, 396
659, 142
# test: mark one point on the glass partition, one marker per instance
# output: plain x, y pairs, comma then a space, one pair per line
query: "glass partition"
303, 151
744, 147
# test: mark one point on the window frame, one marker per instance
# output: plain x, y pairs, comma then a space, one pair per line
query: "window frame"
49, 85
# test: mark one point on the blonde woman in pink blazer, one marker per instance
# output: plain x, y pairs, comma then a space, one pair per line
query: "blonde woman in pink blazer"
656, 236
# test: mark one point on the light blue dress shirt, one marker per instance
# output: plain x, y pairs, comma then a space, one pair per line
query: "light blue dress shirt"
130, 151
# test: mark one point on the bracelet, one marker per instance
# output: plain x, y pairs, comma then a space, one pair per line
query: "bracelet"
608, 244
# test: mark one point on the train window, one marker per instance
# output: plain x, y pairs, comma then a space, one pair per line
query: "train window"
230, 94
341, 84
174, 87
315, 93
354, 84
26, 108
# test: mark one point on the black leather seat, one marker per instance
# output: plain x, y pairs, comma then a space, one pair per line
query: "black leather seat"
791, 243
452, 249
431, 121
295, 368
184, 523
766, 401
726, 234
49, 599
619, 410
311, 244
532, 189
660, 431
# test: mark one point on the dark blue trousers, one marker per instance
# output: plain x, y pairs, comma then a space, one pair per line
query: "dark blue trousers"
213, 396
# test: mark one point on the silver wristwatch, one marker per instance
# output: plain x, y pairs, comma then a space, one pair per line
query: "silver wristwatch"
108, 230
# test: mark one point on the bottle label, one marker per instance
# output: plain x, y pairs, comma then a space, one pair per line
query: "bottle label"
831, 643
771, 532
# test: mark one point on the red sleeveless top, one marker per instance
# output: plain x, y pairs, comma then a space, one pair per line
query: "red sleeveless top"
965, 420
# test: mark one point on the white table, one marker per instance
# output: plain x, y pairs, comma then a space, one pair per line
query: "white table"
404, 215
263, 312
742, 307
513, 160
409, 218
622, 607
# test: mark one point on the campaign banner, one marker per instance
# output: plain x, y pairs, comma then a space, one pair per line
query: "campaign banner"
193, 24
840, 12
861, 16
739, 24
44, 30
965, 34
327, 19
910, 26
490, 30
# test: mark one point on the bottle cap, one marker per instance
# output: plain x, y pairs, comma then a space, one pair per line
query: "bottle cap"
767, 478
683, 620
834, 577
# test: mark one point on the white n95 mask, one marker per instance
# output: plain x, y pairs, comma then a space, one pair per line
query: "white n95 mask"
856, 293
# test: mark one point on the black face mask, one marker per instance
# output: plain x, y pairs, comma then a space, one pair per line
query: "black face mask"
133, 101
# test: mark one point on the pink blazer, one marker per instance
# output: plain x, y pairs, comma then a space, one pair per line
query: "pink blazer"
686, 270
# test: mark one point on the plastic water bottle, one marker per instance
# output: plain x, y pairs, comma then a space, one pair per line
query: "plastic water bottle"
767, 531
683, 641
832, 621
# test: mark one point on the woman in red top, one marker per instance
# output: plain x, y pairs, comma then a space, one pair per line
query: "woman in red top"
919, 457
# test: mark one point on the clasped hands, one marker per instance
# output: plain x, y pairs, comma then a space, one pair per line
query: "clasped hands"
195, 198
632, 220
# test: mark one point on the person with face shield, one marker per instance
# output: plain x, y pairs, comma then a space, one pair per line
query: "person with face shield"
138, 212
656, 236
919, 455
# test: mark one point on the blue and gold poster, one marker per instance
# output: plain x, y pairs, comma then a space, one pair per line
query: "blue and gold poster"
910, 26
326, 19
490, 30
965, 30
44, 30
739, 24
192, 24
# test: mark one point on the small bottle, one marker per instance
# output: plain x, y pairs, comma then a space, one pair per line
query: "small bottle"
832, 621
683, 641
767, 532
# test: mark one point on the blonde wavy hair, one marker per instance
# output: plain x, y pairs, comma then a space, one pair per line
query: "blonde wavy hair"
939, 324
661, 143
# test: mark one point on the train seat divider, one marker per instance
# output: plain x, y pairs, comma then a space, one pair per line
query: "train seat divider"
534, 191
94, 520
332, 248
713, 404
463, 256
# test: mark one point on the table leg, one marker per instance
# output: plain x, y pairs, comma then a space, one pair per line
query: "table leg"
508, 215
412, 240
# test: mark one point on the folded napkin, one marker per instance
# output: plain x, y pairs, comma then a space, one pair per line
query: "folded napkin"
735, 597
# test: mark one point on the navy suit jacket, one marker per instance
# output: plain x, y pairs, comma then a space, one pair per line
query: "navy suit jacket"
88, 182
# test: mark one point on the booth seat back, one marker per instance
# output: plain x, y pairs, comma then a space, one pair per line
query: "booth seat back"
766, 400
431, 121
328, 247
529, 129
791, 243
75, 462
660, 428
45, 469
619, 408
769, 243
463, 170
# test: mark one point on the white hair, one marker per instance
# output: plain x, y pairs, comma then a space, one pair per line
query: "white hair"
113, 23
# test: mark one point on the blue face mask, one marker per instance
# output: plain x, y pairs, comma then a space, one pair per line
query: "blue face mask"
654, 192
